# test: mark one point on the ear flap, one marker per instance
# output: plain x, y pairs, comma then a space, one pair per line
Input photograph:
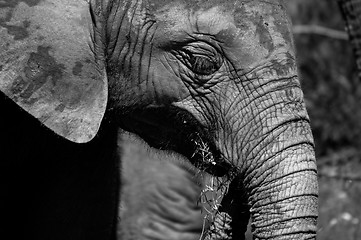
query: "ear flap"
52, 65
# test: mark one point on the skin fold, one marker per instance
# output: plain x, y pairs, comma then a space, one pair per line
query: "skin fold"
209, 88
160, 194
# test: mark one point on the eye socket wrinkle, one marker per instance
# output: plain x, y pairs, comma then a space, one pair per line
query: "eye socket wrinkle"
200, 57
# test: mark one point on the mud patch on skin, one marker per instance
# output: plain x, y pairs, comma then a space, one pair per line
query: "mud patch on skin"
68, 94
265, 37
282, 24
40, 68
60, 108
19, 32
9, 7
13, 3
77, 69
239, 21
285, 67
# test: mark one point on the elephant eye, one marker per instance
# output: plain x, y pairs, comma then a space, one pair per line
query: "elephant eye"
203, 65
201, 58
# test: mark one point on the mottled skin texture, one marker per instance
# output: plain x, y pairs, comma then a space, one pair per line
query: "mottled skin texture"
50, 67
214, 81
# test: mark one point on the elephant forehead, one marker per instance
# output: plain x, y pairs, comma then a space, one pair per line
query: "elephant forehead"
177, 20
213, 16
48, 67
262, 35
255, 28
263, 24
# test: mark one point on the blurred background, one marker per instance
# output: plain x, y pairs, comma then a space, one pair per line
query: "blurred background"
333, 98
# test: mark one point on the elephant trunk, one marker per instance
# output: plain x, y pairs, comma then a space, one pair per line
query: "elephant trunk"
283, 190
273, 150
278, 168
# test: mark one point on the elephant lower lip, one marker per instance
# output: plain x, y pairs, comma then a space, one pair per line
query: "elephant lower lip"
171, 128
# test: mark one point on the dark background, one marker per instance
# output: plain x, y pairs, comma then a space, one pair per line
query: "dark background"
333, 98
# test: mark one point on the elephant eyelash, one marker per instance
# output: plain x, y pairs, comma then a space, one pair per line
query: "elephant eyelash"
203, 65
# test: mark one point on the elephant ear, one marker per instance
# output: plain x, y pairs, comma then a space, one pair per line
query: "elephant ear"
52, 64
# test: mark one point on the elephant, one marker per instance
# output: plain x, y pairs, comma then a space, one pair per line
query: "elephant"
211, 83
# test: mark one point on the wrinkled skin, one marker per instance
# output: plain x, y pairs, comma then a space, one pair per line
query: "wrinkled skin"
213, 81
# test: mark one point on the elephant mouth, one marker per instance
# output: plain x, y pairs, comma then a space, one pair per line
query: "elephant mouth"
175, 129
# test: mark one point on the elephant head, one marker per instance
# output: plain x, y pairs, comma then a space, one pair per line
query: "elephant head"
215, 81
